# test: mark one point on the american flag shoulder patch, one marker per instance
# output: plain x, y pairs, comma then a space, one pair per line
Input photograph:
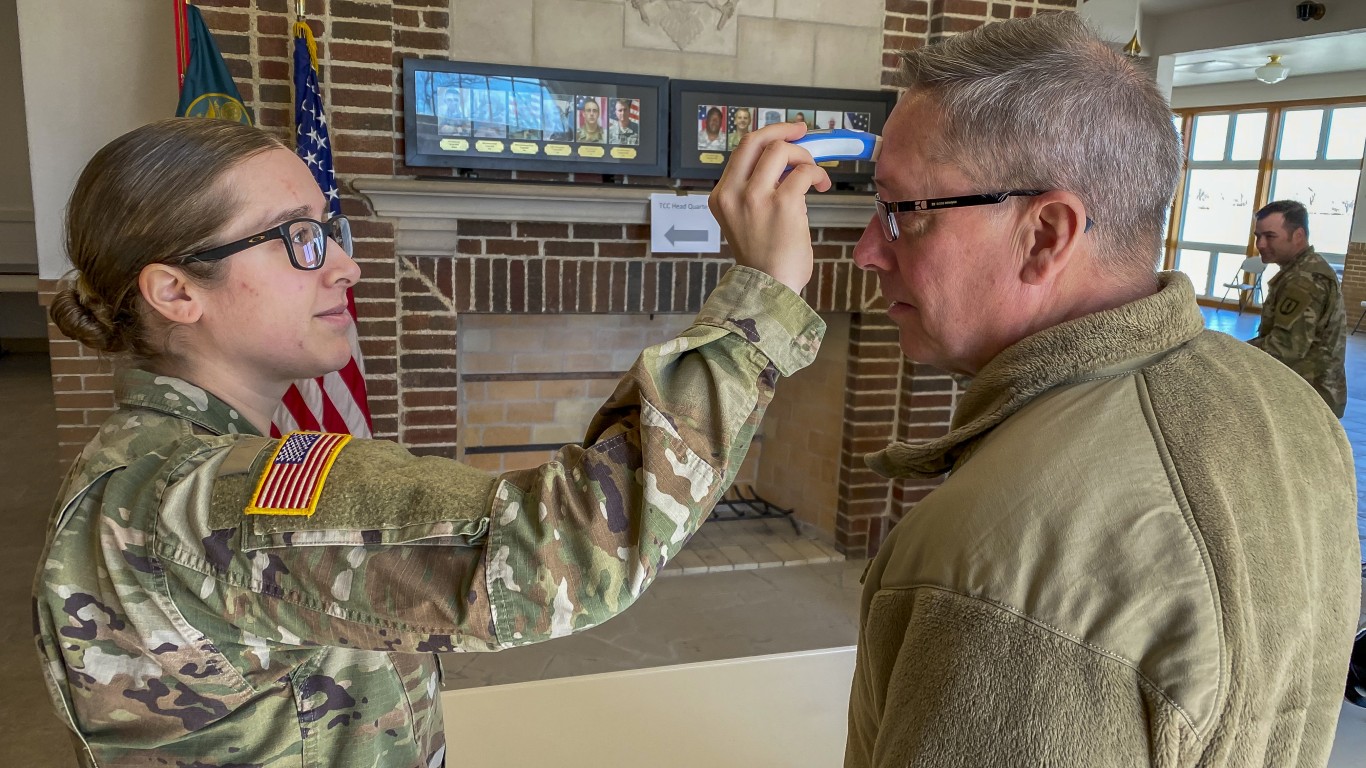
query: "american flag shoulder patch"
293, 481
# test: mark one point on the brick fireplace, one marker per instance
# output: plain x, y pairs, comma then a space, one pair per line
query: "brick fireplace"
434, 252
471, 273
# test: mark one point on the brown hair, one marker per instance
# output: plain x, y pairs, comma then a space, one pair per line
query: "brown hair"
150, 196
1293, 215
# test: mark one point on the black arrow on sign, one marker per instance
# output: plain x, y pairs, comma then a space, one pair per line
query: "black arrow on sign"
676, 235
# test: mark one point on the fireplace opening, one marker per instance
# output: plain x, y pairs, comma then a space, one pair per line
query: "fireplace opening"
531, 383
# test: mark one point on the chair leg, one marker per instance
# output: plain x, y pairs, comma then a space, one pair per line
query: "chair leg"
1358, 325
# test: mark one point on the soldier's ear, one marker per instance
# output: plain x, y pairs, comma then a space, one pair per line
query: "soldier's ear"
170, 293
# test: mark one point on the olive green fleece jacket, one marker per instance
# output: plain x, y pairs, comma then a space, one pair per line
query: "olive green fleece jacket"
1145, 554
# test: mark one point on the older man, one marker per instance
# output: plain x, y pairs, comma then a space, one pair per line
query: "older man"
1304, 324
1118, 570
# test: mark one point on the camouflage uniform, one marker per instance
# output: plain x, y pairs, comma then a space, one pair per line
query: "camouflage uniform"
1304, 325
176, 630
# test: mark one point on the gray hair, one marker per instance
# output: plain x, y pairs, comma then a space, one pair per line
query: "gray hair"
1044, 103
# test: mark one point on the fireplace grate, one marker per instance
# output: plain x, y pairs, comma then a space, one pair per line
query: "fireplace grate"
742, 503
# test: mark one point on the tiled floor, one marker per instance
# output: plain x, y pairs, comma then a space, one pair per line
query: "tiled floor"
741, 545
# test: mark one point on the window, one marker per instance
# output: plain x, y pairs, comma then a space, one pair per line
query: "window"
1318, 162
1231, 171
1220, 197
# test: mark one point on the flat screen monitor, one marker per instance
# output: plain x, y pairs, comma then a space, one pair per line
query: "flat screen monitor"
709, 118
472, 115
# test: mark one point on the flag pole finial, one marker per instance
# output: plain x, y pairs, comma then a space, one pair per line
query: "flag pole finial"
298, 8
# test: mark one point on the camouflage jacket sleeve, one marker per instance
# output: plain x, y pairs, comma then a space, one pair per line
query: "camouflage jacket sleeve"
423, 554
1290, 326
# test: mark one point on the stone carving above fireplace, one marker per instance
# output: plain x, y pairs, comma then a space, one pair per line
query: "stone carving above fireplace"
694, 26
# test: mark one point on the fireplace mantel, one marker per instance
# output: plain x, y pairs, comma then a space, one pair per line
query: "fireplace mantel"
425, 212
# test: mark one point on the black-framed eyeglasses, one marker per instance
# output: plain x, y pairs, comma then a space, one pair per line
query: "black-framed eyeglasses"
887, 211
305, 240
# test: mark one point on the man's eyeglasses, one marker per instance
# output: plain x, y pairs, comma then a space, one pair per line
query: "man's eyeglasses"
305, 240
887, 211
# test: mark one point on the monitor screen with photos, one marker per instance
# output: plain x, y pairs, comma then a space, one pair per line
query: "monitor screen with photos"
473, 115
709, 119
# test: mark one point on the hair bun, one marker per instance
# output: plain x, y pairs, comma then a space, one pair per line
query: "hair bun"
84, 317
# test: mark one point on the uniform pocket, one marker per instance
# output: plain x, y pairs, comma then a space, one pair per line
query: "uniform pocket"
267, 531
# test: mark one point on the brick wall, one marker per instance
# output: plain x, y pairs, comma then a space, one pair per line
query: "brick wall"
407, 307
532, 383
609, 271
1354, 281
913, 23
802, 433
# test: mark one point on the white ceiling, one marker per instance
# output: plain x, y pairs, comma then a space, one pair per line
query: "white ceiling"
1160, 7
1323, 54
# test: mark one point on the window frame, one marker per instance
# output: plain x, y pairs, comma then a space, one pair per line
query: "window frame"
1266, 166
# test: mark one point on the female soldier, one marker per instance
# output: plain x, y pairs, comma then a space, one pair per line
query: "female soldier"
210, 596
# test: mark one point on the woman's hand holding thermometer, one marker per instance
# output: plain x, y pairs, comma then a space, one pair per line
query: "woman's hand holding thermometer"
760, 203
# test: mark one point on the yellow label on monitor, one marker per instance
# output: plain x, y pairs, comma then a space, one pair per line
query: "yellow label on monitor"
524, 148
829, 164
624, 153
591, 152
558, 150
711, 158
455, 145
484, 145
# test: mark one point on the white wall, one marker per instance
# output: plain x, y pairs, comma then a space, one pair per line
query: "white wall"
785, 709
1114, 19
1330, 86
92, 71
1243, 23
15, 195
1259, 21
820, 43
18, 249
20, 315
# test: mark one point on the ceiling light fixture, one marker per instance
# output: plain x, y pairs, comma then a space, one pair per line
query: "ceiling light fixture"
1273, 71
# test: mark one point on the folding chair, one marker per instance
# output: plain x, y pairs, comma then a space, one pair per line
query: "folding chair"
1363, 314
1248, 293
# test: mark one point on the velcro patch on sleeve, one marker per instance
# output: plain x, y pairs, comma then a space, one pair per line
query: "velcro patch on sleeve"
294, 478
1293, 303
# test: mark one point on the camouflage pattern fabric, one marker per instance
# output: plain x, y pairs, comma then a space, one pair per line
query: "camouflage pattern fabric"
176, 630
1304, 325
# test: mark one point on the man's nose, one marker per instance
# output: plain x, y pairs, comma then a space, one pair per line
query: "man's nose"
872, 251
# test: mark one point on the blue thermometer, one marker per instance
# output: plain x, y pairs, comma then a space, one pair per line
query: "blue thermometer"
841, 144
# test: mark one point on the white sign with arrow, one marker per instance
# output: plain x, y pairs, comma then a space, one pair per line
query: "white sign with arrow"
682, 224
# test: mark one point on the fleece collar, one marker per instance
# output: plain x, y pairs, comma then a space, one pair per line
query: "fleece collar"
1103, 343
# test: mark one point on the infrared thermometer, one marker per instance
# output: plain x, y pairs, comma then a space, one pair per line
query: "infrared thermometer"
841, 144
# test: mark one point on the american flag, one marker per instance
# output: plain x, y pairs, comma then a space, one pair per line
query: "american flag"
294, 479
858, 121
336, 402
730, 118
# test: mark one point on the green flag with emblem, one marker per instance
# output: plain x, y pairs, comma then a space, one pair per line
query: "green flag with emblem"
208, 90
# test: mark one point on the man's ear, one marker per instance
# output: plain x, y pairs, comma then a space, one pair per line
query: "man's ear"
1055, 224
170, 293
